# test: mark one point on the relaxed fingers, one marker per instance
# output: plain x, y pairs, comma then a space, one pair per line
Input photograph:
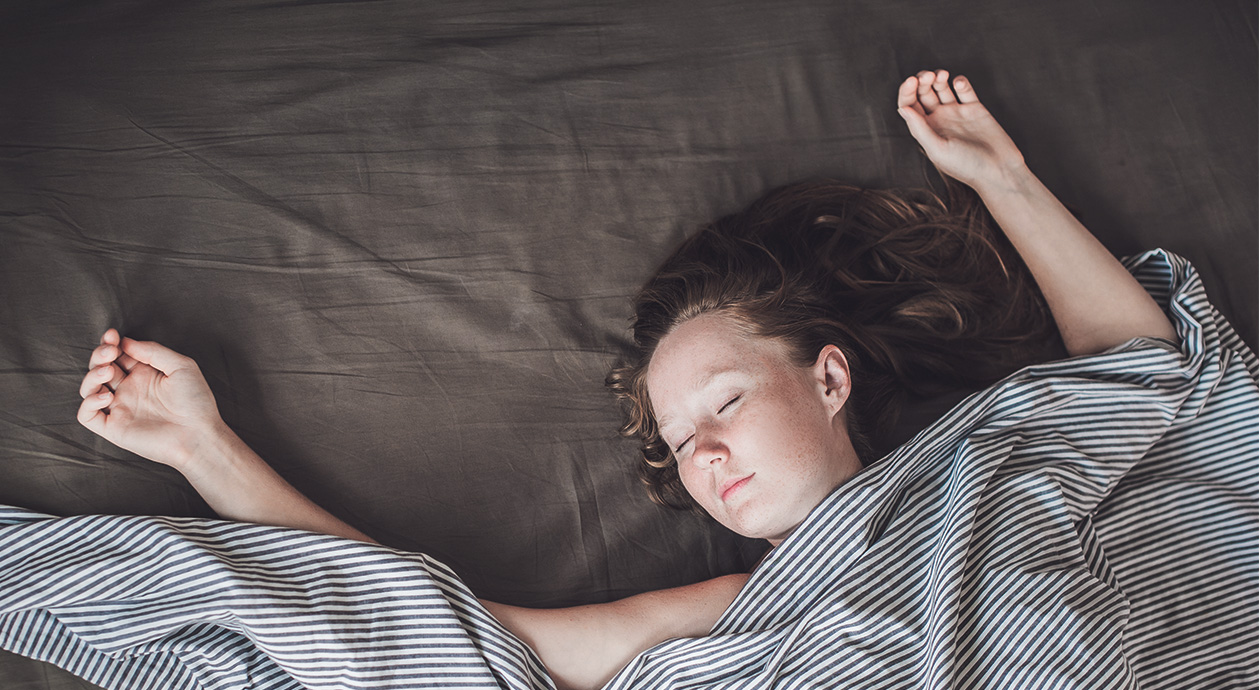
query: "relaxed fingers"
117, 374
908, 94
927, 94
90, 412
125, 362
155, 355
965, 93
941, 85
100, 376
102, 355
110, 354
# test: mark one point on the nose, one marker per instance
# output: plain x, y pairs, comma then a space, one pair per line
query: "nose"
709, 448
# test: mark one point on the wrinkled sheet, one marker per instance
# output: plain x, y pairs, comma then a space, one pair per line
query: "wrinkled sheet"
195, 604
401, 237
1086, 523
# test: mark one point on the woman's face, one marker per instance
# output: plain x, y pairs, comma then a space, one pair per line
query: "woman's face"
759, 440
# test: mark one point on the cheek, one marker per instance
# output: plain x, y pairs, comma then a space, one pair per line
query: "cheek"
772, 428
796, 437
690, 481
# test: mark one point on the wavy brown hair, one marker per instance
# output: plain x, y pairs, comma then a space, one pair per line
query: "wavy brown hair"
918, 290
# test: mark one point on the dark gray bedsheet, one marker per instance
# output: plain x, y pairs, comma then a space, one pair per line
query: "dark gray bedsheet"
400, 238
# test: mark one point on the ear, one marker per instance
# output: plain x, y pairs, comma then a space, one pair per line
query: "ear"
831, 372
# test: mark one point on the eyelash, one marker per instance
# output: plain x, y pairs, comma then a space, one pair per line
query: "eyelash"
730, 402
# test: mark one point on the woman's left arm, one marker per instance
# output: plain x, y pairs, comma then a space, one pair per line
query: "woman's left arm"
1095, 302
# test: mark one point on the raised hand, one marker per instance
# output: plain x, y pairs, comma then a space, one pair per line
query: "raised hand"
147, 399
956, 132
1096, 303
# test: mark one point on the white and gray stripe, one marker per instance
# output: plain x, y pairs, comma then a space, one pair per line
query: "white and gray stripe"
1086, 523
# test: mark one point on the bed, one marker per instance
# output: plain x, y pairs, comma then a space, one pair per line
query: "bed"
400, 238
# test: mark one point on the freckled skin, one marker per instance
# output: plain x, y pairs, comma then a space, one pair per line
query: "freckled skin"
738, 406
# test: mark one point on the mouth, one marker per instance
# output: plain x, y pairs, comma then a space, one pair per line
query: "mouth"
732, 486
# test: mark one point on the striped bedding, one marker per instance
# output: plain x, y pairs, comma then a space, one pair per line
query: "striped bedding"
1087, 523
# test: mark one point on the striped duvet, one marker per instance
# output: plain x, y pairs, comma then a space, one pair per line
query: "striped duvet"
1087, 523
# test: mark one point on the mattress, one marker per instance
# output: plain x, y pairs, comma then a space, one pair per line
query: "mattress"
400, 239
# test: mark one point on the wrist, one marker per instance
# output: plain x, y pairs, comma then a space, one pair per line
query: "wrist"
202, 447
1012, 178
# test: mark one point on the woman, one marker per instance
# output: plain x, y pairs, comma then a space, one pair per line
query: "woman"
753, 422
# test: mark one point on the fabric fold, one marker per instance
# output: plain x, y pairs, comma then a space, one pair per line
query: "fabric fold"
123, 601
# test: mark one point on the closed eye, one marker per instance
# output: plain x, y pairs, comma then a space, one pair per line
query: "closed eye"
721, 409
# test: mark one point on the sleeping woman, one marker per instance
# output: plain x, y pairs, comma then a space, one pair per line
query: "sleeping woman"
774, 345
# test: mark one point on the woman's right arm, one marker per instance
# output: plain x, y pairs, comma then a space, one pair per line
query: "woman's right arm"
585, 646
1095, 302
154, 402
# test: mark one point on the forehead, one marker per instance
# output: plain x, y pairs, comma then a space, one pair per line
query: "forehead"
701, 350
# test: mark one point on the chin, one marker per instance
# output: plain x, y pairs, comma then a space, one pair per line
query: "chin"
773, 526
753, 527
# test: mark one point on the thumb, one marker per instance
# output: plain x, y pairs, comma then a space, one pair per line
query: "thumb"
157, 356
920, 129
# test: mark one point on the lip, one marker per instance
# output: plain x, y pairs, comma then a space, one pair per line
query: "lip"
730, 487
